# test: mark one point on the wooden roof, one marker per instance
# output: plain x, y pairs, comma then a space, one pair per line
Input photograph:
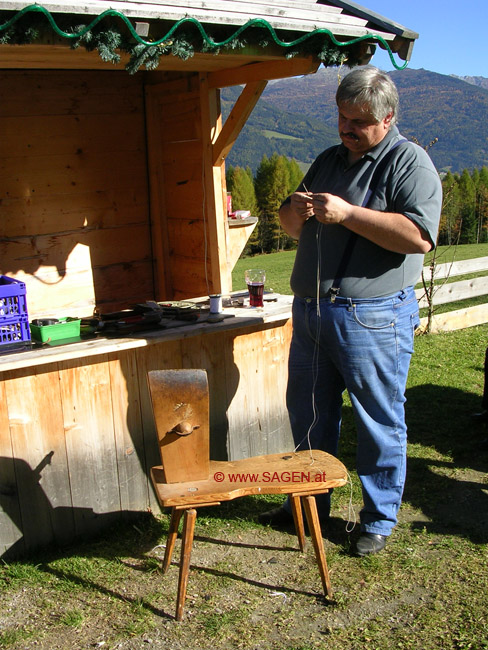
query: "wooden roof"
341, 17
287, 22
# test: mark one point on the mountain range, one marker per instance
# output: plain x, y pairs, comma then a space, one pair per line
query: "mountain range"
297, 117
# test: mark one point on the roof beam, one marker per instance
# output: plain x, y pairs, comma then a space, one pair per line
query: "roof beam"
236, 120
278, 69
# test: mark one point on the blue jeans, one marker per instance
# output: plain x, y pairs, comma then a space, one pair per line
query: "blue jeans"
364, 346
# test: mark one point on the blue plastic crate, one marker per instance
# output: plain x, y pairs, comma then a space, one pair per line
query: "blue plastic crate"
14, 319
13, 300
14, 330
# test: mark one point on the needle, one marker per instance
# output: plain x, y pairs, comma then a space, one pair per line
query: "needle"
307, 192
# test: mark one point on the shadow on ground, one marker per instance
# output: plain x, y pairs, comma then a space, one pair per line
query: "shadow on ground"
447, 476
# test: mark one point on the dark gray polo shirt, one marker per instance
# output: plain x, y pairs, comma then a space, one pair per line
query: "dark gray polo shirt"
410, 186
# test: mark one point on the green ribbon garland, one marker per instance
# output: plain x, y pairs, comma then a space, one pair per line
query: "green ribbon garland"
208, 41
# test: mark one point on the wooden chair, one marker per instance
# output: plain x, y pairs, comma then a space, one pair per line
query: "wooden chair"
188, 479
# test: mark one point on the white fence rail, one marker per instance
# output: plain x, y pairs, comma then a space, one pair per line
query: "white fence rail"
454, 291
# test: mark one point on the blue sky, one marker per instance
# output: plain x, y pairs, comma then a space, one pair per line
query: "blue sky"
452, 34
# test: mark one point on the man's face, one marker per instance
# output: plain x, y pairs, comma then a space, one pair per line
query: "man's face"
359, 130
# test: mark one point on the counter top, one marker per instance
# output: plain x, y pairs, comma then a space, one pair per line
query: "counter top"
277, 307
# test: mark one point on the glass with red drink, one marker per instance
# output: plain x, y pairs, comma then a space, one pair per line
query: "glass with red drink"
255, 283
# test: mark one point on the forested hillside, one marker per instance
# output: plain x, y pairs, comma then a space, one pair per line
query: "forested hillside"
297, 118
271, 130
447, 108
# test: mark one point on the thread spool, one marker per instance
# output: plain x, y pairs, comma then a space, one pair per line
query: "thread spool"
215, 303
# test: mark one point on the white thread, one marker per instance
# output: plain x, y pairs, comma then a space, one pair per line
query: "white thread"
351, 513
316, 350
315, 358
205, 241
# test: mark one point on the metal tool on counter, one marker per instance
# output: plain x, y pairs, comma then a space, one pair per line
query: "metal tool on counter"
143, 317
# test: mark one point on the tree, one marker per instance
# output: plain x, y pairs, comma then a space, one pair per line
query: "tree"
483, 177
467, 197
271, 184
450, 218
482, 205
241, 185
296, 175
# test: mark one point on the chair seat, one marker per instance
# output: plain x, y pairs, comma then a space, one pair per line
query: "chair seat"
301, 473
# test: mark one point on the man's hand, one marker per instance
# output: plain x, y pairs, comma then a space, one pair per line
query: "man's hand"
329, 208
295, 213
302, 205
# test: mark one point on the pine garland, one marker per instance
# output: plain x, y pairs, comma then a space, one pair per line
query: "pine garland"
110, 38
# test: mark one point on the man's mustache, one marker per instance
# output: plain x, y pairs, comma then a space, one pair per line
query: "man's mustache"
348, 135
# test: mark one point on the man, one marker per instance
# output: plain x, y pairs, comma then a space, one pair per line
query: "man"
355, 311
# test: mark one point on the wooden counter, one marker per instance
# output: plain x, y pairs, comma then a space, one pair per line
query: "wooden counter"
77, 437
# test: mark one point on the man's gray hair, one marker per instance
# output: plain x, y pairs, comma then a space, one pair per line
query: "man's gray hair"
371, 89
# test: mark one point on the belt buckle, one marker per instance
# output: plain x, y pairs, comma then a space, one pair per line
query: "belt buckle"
334, 292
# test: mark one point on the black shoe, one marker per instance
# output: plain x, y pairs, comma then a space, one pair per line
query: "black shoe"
370, 543
480, 417
277, 518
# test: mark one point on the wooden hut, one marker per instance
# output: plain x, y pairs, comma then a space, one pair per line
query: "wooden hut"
112, 155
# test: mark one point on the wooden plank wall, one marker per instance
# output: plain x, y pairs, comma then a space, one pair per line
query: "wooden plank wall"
258, 426
77, 438
74, 189
177, 182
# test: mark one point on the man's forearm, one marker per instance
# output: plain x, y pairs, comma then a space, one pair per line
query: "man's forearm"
392, 231
290, 222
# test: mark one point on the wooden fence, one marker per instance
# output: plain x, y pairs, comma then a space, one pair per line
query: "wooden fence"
454, 291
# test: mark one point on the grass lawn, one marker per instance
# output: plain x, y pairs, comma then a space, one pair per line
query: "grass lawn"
250, 588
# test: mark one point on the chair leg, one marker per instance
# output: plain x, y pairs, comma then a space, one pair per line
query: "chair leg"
318, 542
296, 508
172, 536
186, 546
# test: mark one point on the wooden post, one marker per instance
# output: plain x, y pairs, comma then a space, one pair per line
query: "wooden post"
219, 273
